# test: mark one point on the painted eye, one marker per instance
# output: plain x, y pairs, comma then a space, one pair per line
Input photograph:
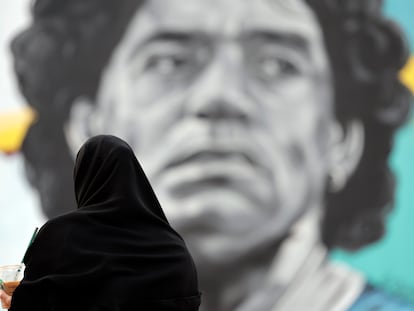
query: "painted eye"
167, 64
272, 67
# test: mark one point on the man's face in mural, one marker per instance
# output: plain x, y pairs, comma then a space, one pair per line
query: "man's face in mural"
228, 106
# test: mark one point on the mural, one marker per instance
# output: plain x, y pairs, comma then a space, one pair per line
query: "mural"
276, 133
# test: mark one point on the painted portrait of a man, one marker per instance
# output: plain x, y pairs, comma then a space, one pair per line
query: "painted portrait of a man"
264, 126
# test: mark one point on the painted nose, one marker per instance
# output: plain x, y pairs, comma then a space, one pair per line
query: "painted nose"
220, 93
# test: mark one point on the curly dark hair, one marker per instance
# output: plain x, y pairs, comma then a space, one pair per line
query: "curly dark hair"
56, 61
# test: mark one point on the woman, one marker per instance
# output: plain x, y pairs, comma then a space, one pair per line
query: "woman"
117, 251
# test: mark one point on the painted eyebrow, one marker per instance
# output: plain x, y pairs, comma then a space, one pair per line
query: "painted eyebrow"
168, 36
291, 40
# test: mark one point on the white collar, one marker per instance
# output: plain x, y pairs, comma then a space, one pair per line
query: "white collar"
301, 276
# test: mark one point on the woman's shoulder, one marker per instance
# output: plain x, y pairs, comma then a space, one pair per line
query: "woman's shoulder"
61, 222
55, 229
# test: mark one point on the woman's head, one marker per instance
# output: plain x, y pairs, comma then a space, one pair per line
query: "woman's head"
106, 170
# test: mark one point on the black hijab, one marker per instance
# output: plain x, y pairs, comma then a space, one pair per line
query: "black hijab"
117, 251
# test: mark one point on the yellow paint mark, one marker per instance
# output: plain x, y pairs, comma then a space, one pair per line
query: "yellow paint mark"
407, 74
13, 128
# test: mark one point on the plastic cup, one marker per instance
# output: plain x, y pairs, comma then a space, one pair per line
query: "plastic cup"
10, 276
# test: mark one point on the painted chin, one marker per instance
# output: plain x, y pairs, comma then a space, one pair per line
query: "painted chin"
225, 200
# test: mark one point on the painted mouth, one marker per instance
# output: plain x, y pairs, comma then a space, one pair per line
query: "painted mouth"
216, 169
211, 156
219, 153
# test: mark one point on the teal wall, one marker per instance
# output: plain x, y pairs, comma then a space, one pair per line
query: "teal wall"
403, 12
390, 262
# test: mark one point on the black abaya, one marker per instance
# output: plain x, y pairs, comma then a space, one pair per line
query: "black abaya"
117, 251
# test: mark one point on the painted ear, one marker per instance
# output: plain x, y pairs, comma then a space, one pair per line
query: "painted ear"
347, 145
78, 128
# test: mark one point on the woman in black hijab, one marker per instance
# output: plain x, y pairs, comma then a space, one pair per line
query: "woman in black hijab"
117, 251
